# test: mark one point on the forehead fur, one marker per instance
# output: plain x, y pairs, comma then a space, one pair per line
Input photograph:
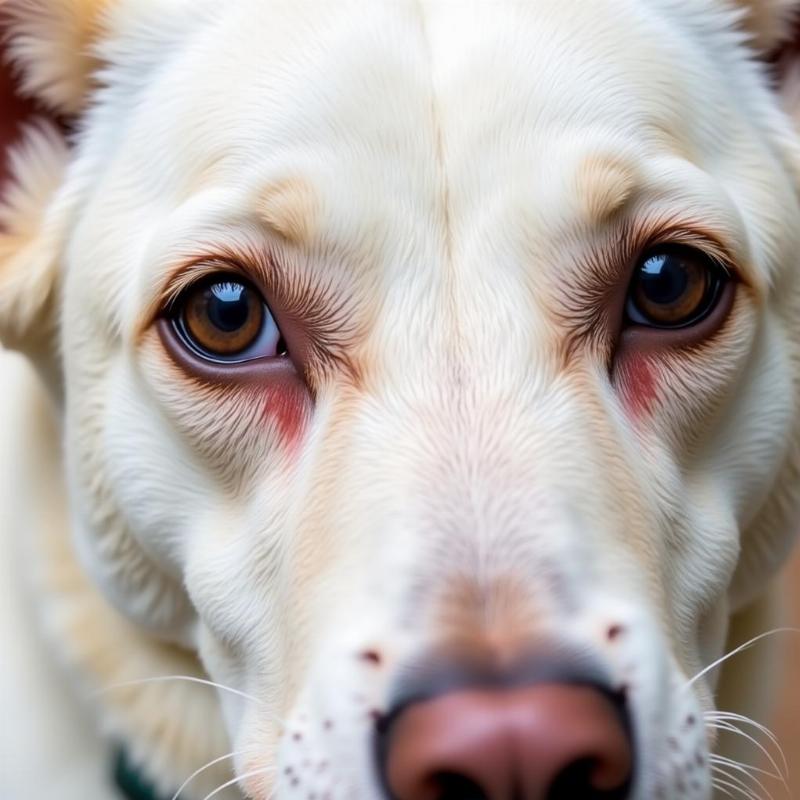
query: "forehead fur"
405, 152
605, 184
288, 207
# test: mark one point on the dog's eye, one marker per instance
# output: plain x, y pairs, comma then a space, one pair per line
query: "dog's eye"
673, 287
223, 318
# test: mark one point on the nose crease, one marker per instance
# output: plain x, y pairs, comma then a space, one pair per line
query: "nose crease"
544, 742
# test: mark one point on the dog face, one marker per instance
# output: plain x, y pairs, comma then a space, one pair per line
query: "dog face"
402, 337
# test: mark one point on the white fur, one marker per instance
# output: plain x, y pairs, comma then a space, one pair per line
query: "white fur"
433, 155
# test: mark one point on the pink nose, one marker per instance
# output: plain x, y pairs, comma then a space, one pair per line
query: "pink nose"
545, 742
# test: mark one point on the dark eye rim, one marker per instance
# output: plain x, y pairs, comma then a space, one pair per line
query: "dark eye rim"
255, 373
174, 315
721, 279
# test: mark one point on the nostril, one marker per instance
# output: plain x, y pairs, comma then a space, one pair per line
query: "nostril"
449, 786
579, 780
545, 742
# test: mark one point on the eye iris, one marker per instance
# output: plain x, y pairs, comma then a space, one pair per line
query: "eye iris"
223, 318
674, 288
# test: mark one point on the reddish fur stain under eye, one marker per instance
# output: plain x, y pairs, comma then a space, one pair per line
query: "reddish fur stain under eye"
639, 385
285, 409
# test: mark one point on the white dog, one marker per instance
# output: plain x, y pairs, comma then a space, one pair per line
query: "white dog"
424, 375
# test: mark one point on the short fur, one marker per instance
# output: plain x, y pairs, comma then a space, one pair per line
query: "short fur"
440, 198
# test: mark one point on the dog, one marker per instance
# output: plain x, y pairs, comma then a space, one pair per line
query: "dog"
417, 410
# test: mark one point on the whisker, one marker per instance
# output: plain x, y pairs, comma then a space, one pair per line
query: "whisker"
188, 678
740, 784
719, 788
744, 791
731, 716
203, 769
727, 726
736, 651
717, 758
262, 771
715, 783
716, 766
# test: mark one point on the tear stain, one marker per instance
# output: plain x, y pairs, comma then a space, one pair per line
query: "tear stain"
285, 410
639, 385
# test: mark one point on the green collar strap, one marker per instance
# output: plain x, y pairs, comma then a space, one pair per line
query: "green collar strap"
129, 779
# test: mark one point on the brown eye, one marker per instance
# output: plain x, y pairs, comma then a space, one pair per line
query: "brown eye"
674, 287
223, 318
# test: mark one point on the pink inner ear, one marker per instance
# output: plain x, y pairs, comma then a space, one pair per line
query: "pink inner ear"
14, 111
639, 385
784, 58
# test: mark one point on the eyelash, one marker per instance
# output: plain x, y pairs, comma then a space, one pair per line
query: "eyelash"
586, 303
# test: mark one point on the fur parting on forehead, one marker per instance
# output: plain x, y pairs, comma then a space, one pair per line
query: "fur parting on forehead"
289, 207
604, 183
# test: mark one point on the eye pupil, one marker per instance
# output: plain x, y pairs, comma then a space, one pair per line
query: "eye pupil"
664, 279
228, 306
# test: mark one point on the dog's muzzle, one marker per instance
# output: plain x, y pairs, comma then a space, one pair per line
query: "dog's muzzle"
540, 741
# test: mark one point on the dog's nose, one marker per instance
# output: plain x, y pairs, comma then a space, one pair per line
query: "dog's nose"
544, 742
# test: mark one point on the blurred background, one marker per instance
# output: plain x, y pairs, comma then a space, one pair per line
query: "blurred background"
786, 716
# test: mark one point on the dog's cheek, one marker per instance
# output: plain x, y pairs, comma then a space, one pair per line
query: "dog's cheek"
638, 385
285, 410
677, 391
235, 429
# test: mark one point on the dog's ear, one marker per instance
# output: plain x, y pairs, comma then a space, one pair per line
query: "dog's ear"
769, 23
50, 43
773, 30
46, 70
